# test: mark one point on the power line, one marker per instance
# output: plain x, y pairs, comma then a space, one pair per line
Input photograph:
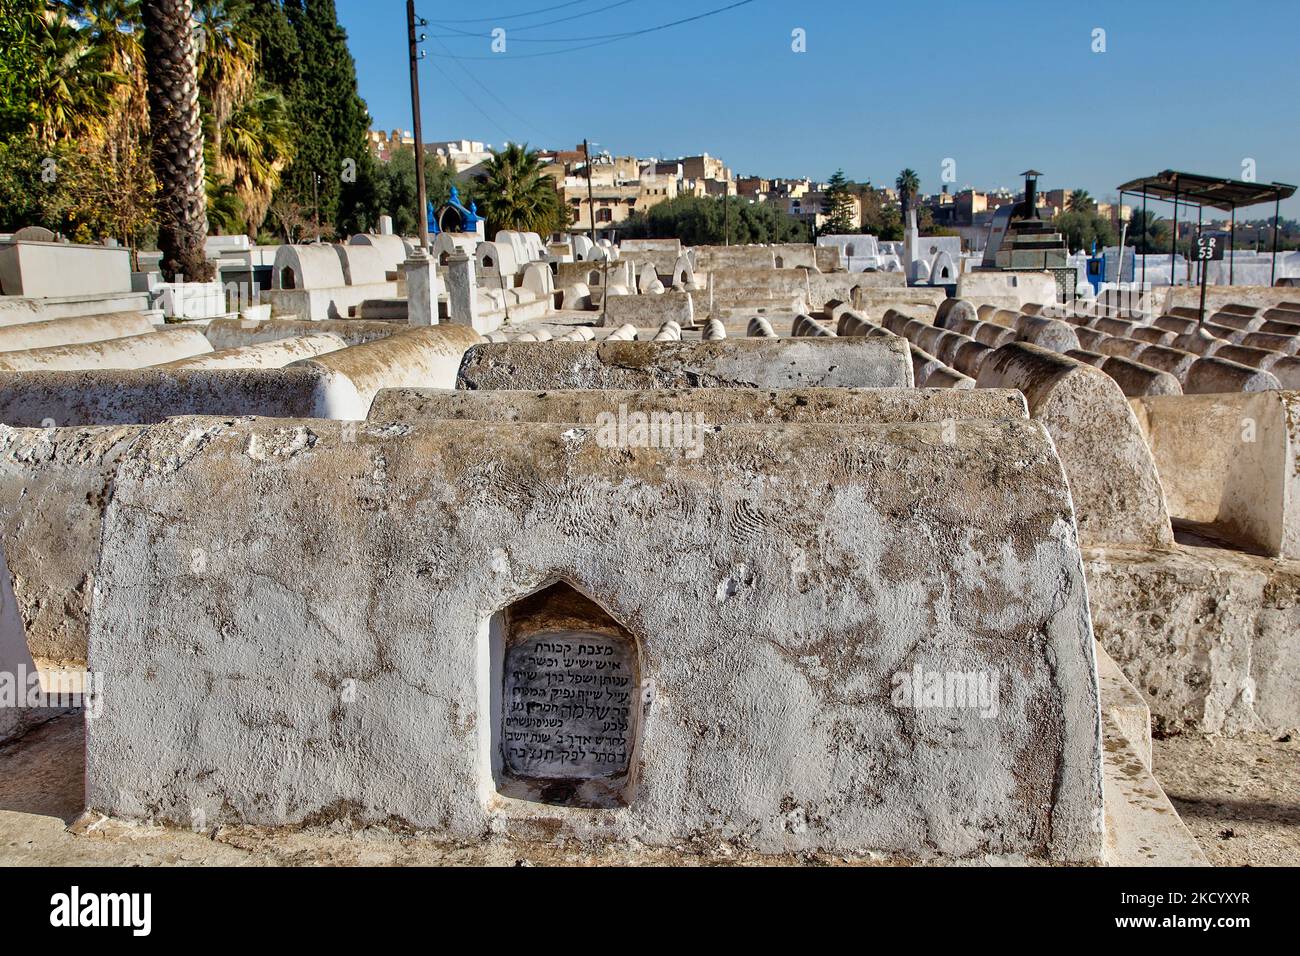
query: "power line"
614, 38
483, 86
515, 16
549, 23
472, 102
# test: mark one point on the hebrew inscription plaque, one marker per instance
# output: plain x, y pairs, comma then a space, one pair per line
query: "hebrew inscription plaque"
569, 706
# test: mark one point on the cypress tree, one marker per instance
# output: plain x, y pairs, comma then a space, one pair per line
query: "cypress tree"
279, 58
333, 159
837, 206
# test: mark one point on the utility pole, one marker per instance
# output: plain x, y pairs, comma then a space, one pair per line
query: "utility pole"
726, 217
422, 196
315, 193
591, 201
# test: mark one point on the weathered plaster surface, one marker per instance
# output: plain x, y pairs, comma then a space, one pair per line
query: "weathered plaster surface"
1231, 461
91, 328
717, 405
756, 363
329, 660
235, 333
1117, 493
54, 486
124, 397
275, 354
1210, 637
128, 352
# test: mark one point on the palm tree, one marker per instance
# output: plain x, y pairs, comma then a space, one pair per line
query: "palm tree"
514, 193
225, 208
177, 138
73, 83
226, 59
1147, 233
20, 29
114, 25
908, 185
257, 145
1081, 201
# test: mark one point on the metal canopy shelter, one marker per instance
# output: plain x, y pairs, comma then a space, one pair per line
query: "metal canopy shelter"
1196, 191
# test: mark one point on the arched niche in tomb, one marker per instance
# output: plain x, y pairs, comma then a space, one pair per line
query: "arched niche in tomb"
288, 280
943, 270
565, 700
780, 262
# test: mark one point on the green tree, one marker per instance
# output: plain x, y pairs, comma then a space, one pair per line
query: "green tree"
177, 130
908, 185
113, 193
82, 115
20, 28
332, 170
29, 194
838, 205
879, 218
514, 193
256, 146
227, 57
1148, 234
72, 84
396, 192
699, 221
115, 27
279, 57
1082, 228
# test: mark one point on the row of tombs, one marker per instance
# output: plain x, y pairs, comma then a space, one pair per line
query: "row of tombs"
858, 588
465, 278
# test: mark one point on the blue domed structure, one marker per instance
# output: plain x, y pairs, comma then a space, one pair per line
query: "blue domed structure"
454, 217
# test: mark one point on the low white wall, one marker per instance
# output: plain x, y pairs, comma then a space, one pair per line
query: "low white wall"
61, 269
235, 333
732, 363
1230, 461
18, 310
135, 396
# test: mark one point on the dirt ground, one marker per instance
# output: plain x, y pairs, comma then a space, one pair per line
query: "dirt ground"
42, 823
1240, 797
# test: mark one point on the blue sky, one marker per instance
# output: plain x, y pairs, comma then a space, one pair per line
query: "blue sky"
996, 86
